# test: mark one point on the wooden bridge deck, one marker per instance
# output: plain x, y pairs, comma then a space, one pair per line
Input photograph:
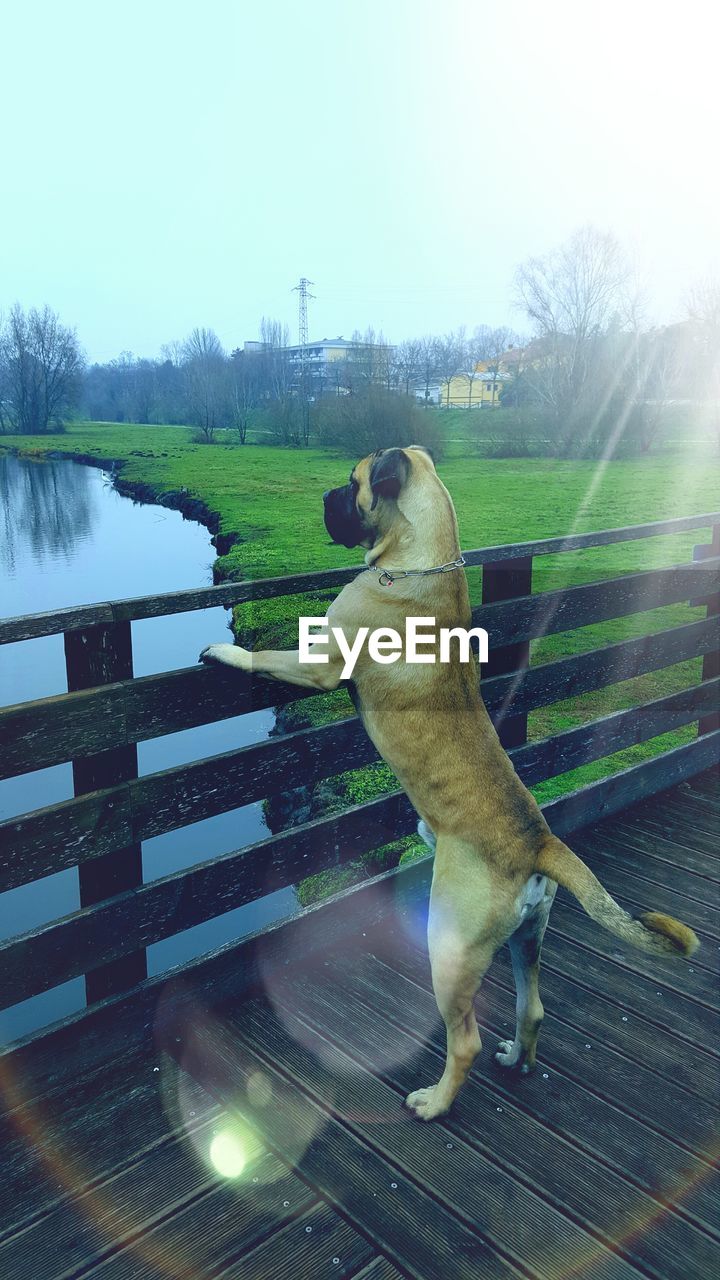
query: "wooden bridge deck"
599, 1165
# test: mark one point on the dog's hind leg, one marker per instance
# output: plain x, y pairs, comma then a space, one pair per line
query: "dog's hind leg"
525, 946
460, 954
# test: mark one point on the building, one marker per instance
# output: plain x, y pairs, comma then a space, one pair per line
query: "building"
334, 365
481, 391
317, 354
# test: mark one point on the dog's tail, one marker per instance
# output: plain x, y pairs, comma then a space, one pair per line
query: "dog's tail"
651, 931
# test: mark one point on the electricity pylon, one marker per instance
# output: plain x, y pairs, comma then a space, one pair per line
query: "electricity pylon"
302, 290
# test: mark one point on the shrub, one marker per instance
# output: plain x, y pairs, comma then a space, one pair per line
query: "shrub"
375, 419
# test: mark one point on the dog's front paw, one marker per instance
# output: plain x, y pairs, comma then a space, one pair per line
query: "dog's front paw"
228, 655
427, 1104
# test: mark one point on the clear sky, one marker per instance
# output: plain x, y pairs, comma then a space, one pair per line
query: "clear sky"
167, 164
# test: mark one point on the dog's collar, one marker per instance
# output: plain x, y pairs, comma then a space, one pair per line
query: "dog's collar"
388, 576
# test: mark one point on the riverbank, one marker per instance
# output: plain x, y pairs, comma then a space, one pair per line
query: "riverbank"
262, 504
264, 501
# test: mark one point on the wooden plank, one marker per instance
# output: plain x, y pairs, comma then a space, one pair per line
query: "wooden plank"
628, 854
563, 751
62, 835
60, 950
96, 656
623, 1079
189, 793
711, 661
353, 1173
474, 1214
675, 826
304, 1249
548, 612
74, 831
343, 917
610, 795
703, 810
97, 935
210, 1232
581, 541
583, 1111
507, 580
101, 1122
657, 848
642, 895
50, 730
700, 993
706, 803
567, 1173
625, 988
539, 686
578, 950
704, 785
695, 981
689, 1083
227, 594
119, 1022
53, 621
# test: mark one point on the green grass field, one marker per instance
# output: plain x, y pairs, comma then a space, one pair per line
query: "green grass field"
270, 498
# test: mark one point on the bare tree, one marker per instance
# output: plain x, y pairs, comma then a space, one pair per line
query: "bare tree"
572, 296
205, 381
245, 373
704, 312
495, 344
428, 362
476, 354
368, 362
41, 366
283, 407
408, 362
451, 359
658, 360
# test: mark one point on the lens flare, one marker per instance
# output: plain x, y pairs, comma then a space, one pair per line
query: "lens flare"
227, 1155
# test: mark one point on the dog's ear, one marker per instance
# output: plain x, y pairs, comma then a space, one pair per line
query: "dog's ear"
424, 449
388, 474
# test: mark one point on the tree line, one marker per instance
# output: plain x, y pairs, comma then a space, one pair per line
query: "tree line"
591, 371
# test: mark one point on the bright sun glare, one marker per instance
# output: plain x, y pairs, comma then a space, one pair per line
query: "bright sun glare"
227, 1155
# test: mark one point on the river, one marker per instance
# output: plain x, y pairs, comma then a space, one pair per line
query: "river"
67, 537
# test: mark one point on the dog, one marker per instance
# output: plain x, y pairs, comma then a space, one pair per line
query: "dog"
497, 865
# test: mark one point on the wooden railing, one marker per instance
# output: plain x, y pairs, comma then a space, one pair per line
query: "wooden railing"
107, 711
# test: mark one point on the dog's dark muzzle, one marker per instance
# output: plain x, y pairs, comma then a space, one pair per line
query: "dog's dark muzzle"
342, 520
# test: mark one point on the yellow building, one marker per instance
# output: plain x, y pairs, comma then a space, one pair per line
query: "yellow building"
479, 391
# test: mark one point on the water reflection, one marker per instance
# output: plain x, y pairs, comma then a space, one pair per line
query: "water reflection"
47, 507
67, 537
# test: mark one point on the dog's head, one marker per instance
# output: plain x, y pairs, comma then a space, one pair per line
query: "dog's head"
356, 512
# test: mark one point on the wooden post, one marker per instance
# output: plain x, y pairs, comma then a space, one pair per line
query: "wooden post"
711, 660
101, 655
505, 580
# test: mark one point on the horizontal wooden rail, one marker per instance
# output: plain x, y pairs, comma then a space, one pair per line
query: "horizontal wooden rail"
72, 832
96, 935
228, 594
548, 612
140, 1013
73, 725
563, 678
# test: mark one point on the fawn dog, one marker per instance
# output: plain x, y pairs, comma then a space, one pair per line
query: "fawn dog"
497, 864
